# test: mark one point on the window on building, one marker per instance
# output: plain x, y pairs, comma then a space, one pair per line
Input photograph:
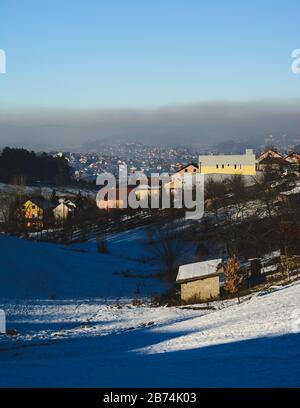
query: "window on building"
240, 166
33, 206
222, 166
235, 166
217, 166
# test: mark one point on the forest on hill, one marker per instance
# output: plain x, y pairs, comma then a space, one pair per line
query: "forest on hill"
20, 166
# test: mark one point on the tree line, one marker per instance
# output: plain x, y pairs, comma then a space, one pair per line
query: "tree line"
21, 167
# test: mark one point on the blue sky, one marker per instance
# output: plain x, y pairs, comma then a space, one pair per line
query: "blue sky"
129, 53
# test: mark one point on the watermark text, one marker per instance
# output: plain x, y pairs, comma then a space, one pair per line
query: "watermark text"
296, 61
2, 62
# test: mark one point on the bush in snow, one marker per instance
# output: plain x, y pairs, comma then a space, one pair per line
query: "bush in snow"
102, 246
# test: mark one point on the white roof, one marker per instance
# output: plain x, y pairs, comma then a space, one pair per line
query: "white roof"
67, 203
247, 158
198, 270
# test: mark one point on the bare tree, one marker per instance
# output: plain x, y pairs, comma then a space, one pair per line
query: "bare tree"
168, 246
214, 189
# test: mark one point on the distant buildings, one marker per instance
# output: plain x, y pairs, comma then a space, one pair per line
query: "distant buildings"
139, 157
244, 164
153, 159
272, 160
117, 198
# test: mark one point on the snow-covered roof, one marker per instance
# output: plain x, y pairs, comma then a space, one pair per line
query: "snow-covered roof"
271, 255
198, 270
67, 203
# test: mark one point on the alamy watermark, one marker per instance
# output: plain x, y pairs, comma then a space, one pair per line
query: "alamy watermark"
296, 61
2, 62
157, 191
2, 322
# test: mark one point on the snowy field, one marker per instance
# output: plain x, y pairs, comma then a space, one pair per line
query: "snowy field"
78, 325
31, 270
91, 344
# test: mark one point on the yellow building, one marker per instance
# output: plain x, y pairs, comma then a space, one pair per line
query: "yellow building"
244, 164
35, 211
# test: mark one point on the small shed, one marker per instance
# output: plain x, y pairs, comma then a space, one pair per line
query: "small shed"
200, 281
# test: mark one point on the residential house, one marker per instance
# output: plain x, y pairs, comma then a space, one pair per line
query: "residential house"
294, 159
37, 211
115, 198
271, 160
200, 281
64, 210
187, 169
185, 175
118, 197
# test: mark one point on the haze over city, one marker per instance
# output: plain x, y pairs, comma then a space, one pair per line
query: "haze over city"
159, 72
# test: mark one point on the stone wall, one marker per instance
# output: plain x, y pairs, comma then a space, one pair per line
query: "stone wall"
202, 289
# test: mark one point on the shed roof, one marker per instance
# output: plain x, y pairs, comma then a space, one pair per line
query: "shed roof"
199, 270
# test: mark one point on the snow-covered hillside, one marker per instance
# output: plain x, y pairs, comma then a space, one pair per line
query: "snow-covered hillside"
42, 270
91, 334
92, 344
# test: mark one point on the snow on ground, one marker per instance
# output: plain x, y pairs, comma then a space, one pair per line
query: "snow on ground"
42, 270
39, 270
94, 335
72, 343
